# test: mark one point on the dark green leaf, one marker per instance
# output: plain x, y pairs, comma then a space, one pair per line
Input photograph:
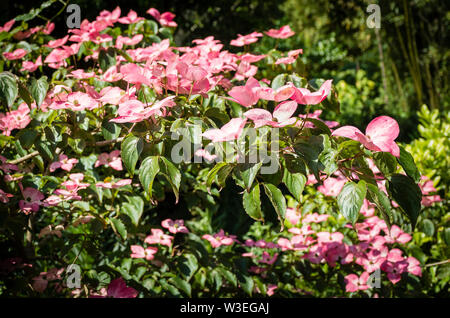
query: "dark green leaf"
8, 88
407, 194
385, 162
351, 198
172, 175
252, 203
407, 162
39, 89
147, 173
295, 182
131, 148
278, 201
119, 227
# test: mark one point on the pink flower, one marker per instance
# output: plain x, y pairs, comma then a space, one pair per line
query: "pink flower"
112, 160
58, 42
246, 39
315, 218
158, 237
283, 33
282, 115
355, 283
121, 40
33, 198
397, 235
332, 186
64, 163
304, 96
219, 239
74, 182
15, 55
246, 95
165, 19
205, 154
174, 227
230, 131
414, 266
271, 289
118, 289
140, 252
394, 270
132, 17
327, 237
7, 167
30, 66
114, 184
292, 56
380, 135
4, 197
293, 215
7, 26
267, 259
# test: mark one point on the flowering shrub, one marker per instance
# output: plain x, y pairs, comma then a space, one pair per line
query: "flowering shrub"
191, 171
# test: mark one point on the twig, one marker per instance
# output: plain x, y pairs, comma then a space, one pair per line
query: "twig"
438, 263
26, 157
107, 142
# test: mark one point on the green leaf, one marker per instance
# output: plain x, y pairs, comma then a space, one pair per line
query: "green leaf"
8, 88
119, 227
45, 149
252, 203
211, 176
295, 164
223, 173
446, 236
110, 130
278, 201
406, 160
107, 58
351, 198
39, 89
187, 265
279, 81
25, 94
172, 174
428, 227
382, 202
246, 283
320, 125
131, 148
295, 182
147, 173
132, 211
27, 137
309, 151
248, 173
328, 156
385, 162
181, 285
229, 276
407, 194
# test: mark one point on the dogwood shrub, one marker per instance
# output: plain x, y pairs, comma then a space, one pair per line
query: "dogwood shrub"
132, 157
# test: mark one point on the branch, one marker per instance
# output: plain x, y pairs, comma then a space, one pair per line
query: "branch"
107, 142
26, 157
438, 263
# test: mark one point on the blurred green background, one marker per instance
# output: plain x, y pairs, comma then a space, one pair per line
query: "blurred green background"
393, 70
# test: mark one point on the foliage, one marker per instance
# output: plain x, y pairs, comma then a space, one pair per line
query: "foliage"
92, 128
